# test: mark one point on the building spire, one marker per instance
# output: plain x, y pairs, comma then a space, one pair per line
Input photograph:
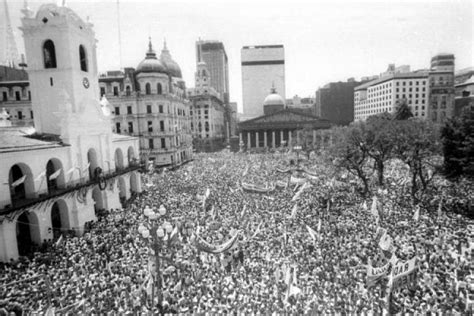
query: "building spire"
150, 46
273, 90
164, 44
9, 52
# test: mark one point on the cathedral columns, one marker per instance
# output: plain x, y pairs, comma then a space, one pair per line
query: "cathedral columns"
314, 137
265, 139
289, 137
273, 139
256, 139
240, 138
281, 137
249, 142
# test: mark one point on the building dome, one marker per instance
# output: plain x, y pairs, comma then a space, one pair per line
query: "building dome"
171, 66
274, 99
151, 63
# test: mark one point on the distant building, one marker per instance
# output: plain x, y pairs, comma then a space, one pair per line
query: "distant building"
214, 55
441, 85
208, 112
384, 95
150, 102
262, 67
464, 91
305, 104
233, 118
335, 102
15, 96
279, 126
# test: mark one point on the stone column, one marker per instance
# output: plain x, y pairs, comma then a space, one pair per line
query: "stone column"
273, 139
265, 139
289, 138
281, 137
249, 142
240, 137
256, 139
314, 137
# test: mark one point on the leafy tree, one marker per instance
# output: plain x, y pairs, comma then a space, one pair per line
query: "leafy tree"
349, 152
403, 111
378, 141
458, 145
416, 142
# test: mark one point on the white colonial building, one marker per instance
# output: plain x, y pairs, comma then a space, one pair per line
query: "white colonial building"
55, 176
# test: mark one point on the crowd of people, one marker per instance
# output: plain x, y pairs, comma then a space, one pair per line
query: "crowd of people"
304, 255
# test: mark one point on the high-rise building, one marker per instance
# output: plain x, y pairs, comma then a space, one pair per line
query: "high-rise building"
335, 102
262, 67
214, 55
441, 85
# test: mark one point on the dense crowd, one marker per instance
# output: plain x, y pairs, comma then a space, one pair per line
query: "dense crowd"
275, 266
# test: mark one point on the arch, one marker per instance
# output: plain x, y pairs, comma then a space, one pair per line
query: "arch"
122, 188
134, 182
59, 218
83, 58
92, 160
159, 88
23, 235
118, 158
49, 54
52, 166
147, 88
127, 90
98, 199
21, 183
130, 155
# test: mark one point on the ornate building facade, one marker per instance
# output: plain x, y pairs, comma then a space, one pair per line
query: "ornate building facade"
57, 175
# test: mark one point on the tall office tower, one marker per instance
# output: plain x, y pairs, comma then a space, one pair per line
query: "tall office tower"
263, 67
441, 81
214, 55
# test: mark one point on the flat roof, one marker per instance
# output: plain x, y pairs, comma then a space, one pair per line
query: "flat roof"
408, 75
15, 139
263, 46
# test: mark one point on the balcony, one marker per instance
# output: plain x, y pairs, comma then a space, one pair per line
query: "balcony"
70, 187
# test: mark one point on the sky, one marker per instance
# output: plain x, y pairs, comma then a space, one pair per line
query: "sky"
324, 41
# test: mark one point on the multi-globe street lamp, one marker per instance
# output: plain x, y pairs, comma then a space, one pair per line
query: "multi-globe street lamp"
155, 233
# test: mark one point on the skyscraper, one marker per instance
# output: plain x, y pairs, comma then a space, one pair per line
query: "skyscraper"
263, 67
214, 55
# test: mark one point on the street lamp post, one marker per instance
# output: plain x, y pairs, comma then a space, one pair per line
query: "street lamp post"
154, 234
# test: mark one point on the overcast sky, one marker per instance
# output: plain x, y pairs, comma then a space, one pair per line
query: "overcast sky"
324, 40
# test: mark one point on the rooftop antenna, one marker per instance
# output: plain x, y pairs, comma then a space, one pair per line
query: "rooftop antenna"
119, 34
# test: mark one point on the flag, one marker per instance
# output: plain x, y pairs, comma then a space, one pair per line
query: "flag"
87, 167
174, 235
416, 216
59, 241
364, 206
257, 231
55, 174
385, 242
40, 176
440, 208
19, 181
374, 209
311, 232
50, 311
70, 170
293, 211
319, 226
208, 192
149, 286
243, 212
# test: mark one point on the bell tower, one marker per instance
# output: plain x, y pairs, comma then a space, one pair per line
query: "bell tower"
62, 68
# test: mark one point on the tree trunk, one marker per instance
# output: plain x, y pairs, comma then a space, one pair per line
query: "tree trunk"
380, 170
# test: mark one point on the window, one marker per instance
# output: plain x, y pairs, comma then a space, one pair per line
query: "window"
148, 108
150, 143
127, 91
20, 115
147, 88
102, 91
159, 88
83, 58
51, 81
150, 126
160, 108
5, 96
31, 114
129, 109
117, 110
17, 95
162, 126
130, 127
116, 92
163, 143
117, 128
49, 54
29, 95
